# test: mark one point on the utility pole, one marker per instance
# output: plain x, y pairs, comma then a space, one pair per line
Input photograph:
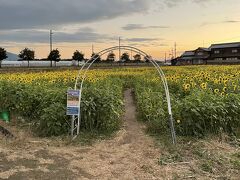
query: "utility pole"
51, 33
92, 48
169, 54
51, 47
119, 48
165, 57
175, 50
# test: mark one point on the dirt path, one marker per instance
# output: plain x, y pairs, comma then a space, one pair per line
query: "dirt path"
131, 154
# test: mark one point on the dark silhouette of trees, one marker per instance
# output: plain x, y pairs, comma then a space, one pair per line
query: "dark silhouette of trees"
54, 55
27, 54
146, 58
3, 55
111, 57
137, 58
125, 57
97, 57
78, 56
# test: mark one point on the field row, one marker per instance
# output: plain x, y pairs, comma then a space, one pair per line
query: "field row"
205, 99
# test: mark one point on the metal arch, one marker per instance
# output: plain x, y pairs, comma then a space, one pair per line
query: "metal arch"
142, 53
154, 63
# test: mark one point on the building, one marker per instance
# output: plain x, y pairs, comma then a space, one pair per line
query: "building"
198, 56
201, 55
186, 58
225, 53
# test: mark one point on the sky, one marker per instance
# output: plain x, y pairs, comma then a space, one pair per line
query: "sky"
150, 25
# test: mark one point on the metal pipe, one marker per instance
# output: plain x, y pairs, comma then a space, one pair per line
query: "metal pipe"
153, 62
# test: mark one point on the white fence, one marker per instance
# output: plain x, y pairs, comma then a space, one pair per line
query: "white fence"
37, 63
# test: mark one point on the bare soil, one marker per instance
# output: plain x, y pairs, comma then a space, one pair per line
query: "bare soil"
130, 154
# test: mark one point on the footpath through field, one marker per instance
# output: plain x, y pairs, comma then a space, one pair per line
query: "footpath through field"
131, 154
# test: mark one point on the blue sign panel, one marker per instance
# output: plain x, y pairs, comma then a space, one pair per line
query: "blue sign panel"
73, 102
72, 111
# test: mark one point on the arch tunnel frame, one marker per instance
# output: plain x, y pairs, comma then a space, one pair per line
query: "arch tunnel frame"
88, 64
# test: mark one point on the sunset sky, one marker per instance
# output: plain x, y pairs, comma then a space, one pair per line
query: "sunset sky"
151, 25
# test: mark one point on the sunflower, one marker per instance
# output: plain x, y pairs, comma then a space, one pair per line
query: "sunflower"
216, 90
204, 86
222, 94
234, 87
186, 87
225, 89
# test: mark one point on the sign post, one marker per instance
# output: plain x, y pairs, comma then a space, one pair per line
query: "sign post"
73, 109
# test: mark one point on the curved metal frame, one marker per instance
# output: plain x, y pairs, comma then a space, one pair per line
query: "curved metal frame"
89, 63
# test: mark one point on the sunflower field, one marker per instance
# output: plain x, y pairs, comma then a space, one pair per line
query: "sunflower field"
205, 99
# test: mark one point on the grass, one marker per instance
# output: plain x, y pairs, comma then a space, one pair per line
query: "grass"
86, 138
197, 158
235, 160
21, 129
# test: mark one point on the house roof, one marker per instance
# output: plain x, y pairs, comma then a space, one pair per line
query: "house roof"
193, 58
203, 48
186, 58
225, 45
188, 53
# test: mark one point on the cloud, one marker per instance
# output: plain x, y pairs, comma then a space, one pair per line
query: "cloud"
220, 22
27, 14
160, 44
230, 21
83, 35
204, 1
139, 40
130, 27
173, 3
48, 14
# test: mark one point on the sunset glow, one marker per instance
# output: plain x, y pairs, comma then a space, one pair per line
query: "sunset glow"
151, 25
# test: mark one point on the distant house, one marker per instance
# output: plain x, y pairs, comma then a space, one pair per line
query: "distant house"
225, 53
201, 55
186, 58
198, 56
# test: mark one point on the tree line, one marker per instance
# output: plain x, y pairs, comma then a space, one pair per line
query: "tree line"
54, 56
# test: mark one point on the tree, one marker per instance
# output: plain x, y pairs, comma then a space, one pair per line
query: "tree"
147, 58
78, 56
110, 57
54, 55
125, 57
27, 54
137, 58
3, 55
97, 57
